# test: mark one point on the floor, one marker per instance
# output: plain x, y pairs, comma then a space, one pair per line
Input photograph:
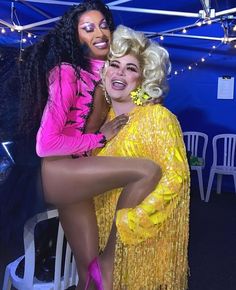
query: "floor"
212, 247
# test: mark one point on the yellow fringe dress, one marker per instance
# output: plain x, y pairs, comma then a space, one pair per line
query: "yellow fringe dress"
152, 238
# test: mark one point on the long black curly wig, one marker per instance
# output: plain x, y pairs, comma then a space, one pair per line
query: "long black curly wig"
61, 44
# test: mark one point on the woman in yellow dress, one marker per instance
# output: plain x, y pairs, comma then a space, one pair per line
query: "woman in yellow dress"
149, 241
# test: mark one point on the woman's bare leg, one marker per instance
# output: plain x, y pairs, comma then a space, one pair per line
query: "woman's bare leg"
80, 227
126, 200
69, 182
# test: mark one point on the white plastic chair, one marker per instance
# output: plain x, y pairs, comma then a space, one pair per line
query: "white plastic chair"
224, 161
196, 144
29, 281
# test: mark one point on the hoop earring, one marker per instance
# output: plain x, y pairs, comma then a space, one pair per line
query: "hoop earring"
107, 97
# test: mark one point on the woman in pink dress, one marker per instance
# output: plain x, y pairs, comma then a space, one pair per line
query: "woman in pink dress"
59, 76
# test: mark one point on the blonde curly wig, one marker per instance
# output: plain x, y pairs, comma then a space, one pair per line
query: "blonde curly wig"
154, 60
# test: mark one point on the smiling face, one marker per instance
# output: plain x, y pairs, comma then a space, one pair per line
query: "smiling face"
122, 76
94, 32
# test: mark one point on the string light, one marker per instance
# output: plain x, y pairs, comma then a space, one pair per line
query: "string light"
25, 36
206, 21
24, 39
196, 63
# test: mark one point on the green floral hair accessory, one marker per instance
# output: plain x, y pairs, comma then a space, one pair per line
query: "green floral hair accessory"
139, 97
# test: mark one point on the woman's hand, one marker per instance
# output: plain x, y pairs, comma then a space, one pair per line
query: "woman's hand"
111, 128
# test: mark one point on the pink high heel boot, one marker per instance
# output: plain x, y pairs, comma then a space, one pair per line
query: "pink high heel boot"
95, 274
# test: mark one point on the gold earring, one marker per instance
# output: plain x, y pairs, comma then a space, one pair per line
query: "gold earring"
107, 97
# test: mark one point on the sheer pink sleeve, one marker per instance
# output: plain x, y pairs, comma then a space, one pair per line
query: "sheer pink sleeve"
55, 137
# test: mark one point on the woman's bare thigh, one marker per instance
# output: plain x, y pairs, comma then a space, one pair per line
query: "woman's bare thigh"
67, 180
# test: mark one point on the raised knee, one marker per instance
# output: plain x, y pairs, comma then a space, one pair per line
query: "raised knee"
153, 172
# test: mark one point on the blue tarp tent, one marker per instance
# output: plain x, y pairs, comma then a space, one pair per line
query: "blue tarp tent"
200, 36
